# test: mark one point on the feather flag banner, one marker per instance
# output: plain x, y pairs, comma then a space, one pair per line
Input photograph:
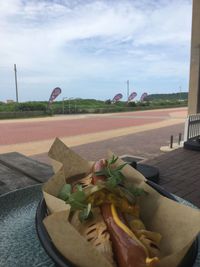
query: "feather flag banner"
132, 96
117, 97
56, 91
143, 96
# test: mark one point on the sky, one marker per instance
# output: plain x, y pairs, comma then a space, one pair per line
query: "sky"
91, 48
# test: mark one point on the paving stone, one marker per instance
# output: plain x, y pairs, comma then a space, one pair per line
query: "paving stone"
180, 173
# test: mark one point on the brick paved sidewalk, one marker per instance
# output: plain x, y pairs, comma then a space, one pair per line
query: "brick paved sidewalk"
180, 173
179, 169
144, 144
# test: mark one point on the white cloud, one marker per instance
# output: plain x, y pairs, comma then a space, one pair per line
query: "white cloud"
55, 41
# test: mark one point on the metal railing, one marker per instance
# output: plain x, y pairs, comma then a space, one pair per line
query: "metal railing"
192, 127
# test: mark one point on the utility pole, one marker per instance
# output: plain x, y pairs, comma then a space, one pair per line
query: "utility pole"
127, 89
15, 70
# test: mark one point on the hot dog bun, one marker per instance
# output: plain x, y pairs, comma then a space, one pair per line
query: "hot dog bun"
123, 240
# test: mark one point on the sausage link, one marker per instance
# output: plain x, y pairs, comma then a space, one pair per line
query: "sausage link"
128, 252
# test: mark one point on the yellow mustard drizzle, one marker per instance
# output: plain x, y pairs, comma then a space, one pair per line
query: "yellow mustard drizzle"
150, 261
125, 228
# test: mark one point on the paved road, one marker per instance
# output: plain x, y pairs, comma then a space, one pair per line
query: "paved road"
35, 131
34, 136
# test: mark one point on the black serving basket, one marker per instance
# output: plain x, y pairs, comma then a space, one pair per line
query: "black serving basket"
61, 261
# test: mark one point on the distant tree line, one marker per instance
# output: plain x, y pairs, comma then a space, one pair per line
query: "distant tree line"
174, 96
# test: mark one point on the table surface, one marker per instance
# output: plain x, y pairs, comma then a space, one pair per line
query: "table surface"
18, 171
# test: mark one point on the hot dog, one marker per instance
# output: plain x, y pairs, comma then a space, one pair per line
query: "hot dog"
128, 249
114, 228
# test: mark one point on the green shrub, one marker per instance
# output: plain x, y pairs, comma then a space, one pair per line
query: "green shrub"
131, 104
32, 106
108, 102
89, 106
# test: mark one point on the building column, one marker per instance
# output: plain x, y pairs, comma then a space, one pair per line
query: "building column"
194, 84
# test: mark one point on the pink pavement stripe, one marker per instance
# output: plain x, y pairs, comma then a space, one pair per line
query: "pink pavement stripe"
151, 113
22, 132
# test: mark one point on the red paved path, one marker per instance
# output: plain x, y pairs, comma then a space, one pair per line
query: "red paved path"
13, 133
150, 113
27, 131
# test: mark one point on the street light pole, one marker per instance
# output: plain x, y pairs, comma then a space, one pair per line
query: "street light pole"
15, 70
127, 89
63, 106
69, 104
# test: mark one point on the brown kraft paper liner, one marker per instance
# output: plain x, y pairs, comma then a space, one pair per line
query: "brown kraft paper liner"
178, 224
